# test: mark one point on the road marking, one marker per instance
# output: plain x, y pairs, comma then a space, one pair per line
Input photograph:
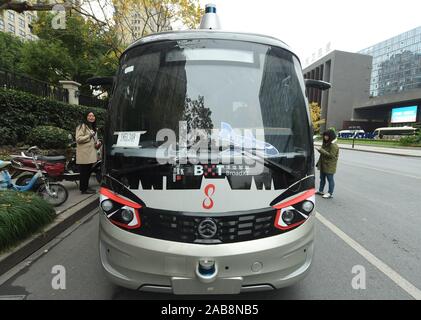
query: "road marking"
380, 170
389, 272
16, 297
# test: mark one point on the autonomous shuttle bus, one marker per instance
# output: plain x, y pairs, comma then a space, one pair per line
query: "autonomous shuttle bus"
208, 181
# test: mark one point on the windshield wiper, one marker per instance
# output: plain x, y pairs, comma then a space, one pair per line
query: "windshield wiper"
272, 164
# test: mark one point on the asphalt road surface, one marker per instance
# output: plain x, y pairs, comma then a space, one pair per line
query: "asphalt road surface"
373, 221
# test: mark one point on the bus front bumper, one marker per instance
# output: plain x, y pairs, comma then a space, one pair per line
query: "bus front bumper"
154, 265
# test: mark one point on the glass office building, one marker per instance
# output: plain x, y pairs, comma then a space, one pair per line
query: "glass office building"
396, 64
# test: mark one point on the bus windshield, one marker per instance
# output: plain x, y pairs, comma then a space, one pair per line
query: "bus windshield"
239, 88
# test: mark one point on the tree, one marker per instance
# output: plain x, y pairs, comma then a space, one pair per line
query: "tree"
77, 52
92, 40
116, 16
11, 51
21, 6
133, 19
46, 60
315, 112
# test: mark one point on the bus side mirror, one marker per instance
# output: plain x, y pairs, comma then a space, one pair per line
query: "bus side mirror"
317, 84
101, 81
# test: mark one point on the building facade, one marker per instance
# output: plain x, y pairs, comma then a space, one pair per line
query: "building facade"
349, 73
372, 87
18, 24
137, 23
396, 64
395, 83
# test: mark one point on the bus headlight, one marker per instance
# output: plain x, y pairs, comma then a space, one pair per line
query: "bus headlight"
120, 211
288, 216
307, 206
127, 215
294, 211
107, 205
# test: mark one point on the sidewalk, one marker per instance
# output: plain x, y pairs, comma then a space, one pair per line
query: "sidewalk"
73, 210
75, 196
409, 152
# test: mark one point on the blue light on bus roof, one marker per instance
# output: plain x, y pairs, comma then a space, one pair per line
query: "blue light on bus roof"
210, 8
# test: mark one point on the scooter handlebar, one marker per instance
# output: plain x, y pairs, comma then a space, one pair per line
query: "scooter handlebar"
33, 149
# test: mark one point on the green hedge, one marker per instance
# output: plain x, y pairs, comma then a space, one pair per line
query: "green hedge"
21, 112
48, 137
21, 214
7, 136
411, 140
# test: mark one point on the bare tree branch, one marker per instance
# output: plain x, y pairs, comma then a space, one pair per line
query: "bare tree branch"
86, 14
26, 6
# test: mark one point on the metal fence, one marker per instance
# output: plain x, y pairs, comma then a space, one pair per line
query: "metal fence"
91, 101
11, 80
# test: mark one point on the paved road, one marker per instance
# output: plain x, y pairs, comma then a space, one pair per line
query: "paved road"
376, 210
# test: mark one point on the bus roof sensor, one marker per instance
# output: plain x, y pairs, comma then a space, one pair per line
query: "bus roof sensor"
210, 20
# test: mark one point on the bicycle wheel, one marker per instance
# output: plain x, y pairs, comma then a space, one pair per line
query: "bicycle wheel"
57, 196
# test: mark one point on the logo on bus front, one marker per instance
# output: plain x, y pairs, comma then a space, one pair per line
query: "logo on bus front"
208, 201
207, 228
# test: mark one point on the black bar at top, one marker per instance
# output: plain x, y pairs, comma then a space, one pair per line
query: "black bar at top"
210, 10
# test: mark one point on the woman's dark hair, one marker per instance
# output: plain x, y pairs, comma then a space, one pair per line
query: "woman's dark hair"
91, 125
331, 134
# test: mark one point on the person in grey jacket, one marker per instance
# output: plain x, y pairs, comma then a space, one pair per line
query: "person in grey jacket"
86, 150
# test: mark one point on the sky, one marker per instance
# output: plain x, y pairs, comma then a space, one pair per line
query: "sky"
309, 25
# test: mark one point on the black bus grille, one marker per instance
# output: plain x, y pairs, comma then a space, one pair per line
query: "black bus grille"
182, 227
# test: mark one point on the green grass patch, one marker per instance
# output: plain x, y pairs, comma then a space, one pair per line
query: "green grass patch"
375, 143
21, 215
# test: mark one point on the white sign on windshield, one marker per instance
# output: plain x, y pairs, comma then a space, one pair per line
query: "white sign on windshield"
129, 69
129, 139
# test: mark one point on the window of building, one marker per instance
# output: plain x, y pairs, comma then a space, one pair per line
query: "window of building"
11, 16
11, 28
22, 33
1, 24
21, 23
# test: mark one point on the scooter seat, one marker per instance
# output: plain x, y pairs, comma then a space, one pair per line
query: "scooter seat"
4, 164
52, 159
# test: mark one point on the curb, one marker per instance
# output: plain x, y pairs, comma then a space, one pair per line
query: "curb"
379, 152
63, 221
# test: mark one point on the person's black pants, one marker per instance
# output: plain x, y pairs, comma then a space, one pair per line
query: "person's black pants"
85, 174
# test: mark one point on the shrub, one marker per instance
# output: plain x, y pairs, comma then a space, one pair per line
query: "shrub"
21, 112
7, 136
21, 214
411, 140
48, 137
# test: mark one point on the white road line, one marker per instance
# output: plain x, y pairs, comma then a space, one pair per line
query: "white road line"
380, 170
16, 297
389, 272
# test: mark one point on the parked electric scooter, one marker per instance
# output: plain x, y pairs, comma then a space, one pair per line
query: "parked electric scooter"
56, 168
54, 193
